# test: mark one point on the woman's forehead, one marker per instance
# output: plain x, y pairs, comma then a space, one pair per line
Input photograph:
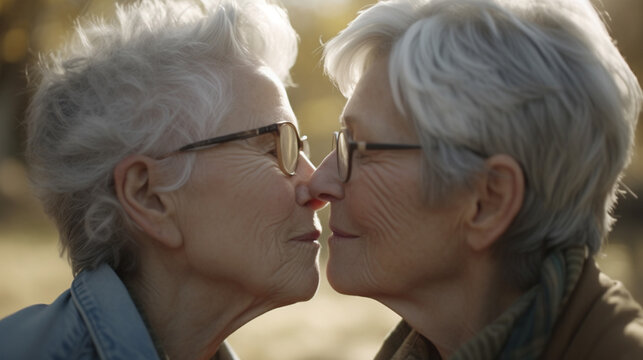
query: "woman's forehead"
370, 112
259, 100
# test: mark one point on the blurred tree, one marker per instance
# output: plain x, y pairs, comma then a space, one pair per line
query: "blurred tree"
16, 19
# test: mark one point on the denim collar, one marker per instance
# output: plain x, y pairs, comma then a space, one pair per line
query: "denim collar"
115, 325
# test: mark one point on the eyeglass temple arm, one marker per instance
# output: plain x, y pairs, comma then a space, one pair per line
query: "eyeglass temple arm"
363, 145
225, 138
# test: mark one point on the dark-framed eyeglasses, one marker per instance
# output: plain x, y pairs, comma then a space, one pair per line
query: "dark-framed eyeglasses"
345, 146
287, 142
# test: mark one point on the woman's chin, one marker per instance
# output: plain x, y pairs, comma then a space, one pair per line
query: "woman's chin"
309, 287
342, 283
301, 289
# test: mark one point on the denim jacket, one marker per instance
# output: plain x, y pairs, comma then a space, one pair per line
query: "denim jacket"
94, 319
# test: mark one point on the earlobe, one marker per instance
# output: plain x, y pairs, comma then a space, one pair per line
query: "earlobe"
499, 197
150, 210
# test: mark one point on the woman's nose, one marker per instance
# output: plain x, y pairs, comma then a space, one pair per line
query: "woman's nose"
304, 172
325, 184
305, 167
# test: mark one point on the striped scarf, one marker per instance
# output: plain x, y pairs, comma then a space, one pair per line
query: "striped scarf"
523, 330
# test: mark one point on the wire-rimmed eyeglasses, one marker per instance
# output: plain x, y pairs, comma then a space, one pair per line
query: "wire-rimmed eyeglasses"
345, 146
286, 137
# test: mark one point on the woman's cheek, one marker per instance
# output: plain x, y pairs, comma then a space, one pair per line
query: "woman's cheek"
385, 200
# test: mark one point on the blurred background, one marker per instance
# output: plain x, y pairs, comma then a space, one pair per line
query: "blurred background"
330, 326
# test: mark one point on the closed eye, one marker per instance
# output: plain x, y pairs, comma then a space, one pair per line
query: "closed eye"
272, 152
264, 144
362, 156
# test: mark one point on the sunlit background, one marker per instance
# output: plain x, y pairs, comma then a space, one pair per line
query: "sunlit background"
330, 326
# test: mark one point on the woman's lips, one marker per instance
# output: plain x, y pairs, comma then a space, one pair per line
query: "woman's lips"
308, 237
342, 234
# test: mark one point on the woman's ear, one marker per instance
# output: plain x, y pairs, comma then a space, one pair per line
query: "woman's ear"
135, 182
499, 193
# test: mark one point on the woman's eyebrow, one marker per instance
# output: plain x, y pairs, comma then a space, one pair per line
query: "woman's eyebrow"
261, 141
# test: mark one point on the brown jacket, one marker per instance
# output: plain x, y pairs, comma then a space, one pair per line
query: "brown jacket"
225, 353
601, 321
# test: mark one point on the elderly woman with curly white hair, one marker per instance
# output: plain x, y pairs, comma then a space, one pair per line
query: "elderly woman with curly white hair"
163, 145
472, 181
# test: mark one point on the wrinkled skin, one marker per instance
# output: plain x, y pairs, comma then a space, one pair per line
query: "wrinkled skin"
398, 246
239, 212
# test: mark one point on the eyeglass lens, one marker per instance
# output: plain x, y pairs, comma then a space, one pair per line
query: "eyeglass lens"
342, 155
289, 147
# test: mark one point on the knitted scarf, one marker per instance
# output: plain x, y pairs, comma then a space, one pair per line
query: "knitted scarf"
523, 330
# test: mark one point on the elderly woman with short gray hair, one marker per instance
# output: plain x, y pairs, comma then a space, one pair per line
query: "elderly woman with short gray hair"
163, 146
472, 181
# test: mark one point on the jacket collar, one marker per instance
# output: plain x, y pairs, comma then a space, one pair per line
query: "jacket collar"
115, 325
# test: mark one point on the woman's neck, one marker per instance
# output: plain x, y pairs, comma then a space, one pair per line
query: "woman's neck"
188, 315
451, 311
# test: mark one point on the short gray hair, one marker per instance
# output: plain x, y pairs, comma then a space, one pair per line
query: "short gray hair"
539, 80
147, 82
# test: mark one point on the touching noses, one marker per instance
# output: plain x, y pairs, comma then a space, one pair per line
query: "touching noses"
325, 184
304, 197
